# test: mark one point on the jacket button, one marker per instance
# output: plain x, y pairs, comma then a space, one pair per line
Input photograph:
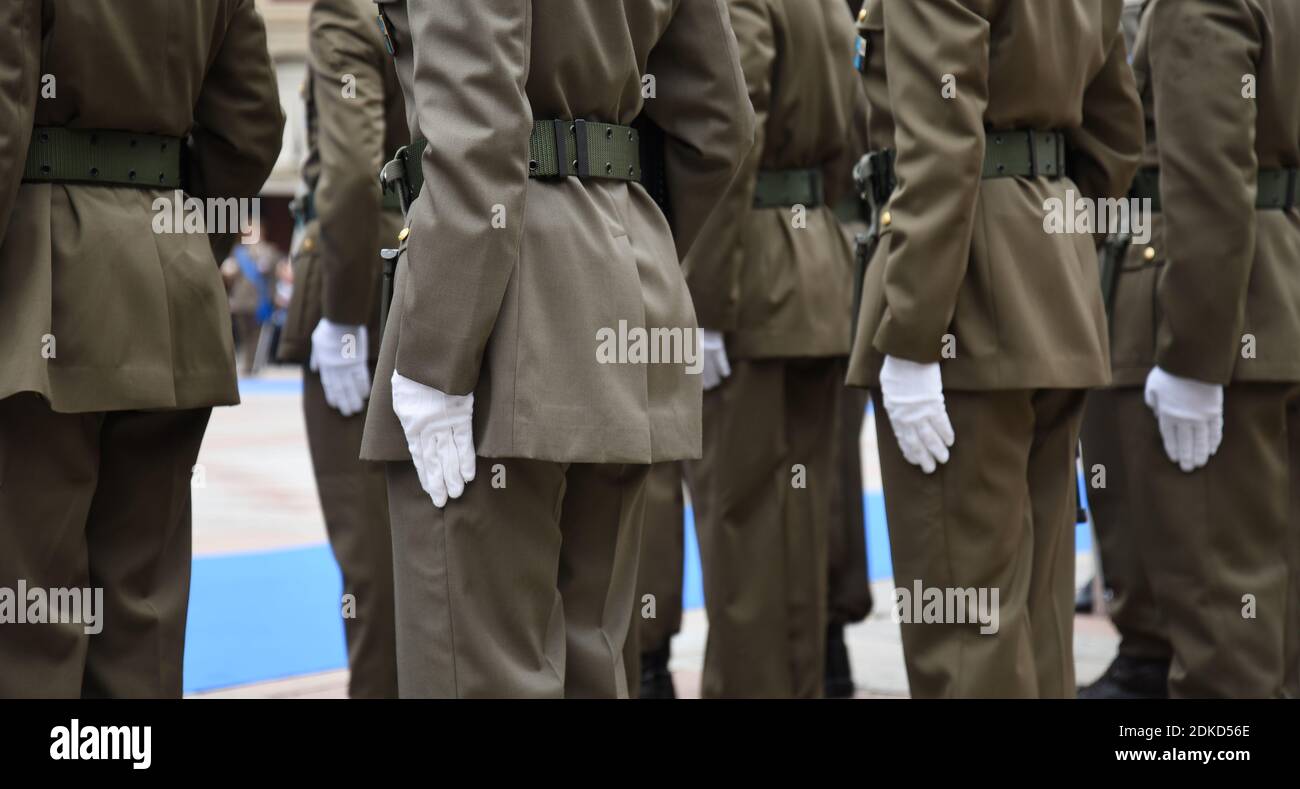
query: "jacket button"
1150, 253
308, 245
886, 219
406, 231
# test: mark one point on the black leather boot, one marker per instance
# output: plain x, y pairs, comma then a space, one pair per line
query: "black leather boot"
839, 675
1131, 678
656, 679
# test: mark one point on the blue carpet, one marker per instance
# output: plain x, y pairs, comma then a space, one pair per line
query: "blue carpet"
271, 615
262, 616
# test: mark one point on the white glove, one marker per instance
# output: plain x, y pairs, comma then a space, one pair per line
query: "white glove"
914, 399
439, 435
1190, 414
339, 353
716, 366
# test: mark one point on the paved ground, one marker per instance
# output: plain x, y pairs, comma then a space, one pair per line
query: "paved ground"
256, 493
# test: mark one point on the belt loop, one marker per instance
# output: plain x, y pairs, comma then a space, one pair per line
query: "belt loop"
1290, 188
1033, 153
561, 147
580, 138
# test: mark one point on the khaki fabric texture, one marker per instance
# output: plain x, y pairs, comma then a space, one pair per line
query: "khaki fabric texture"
998, 515
356, 121
138, 319
354, 499
521, 591
969, 257
763, 505
1219, 300
104, 504
513, 312
778, 280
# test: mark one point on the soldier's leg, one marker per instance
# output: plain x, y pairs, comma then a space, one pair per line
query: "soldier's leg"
739, 491
659, 569
478, 609
138, 535
49, 464
812, 471
1053, 498
1110, 474
601, 538
966, 526
848, 585
354, 499
1213, 547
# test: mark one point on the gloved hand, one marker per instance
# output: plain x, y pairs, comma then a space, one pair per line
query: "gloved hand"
1190, 414
914, 399
439, 435
714, 351
339, 353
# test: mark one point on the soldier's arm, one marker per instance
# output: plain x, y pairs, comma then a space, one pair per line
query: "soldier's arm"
349, 62
20, 50
471, 66
713, 267
1200, 51
1106, 149
940, 157
703, 106
238, 124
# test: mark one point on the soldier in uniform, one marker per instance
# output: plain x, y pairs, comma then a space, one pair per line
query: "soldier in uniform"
518, 440
1204, 337
117, 339
776, 335
1141, 666
979, 331
355, 123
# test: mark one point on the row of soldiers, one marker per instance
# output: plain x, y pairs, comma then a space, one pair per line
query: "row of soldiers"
505, 504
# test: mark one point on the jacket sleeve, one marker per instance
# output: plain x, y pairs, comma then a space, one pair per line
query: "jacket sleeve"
713, 266
940, 157
471, 66
1106, 149
704, 109
20, 55
348, 62
238, 123
1199, 51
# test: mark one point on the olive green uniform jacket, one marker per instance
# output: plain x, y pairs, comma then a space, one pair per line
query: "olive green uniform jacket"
778, 280
1216, 294
968, 257
514, 312
355, 123
99, 312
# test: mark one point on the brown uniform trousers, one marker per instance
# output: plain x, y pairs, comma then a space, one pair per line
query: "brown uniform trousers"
117, 339
524, 586
1115, 504
964, 264
1218, 545
660, 569
337, 276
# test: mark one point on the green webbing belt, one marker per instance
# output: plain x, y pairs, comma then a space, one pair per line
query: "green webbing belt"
785, 188
1277, 189
109, 157
1024, 153
304, 206
556, 149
